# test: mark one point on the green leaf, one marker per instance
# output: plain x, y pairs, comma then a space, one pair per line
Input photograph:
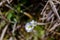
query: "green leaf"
15, 20
18, 8
10, 14
40, 30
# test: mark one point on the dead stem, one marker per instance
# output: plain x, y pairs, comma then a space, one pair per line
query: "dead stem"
48, 19
13, 31
9, 1
3, 32
14, 27
52, 20
3, 17
28, 15
54, 9
55, 25
41, 23
2, 2
44, 7
11, 7
57, 1
53, 32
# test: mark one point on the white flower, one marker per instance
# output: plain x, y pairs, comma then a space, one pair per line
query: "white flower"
34, 23
30, 26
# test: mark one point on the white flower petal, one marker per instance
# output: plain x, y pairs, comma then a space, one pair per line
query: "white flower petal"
30, 26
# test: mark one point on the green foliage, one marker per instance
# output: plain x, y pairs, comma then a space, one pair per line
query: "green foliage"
10, 14
2, 24
6, 37
18, 7
50, 38
40, 30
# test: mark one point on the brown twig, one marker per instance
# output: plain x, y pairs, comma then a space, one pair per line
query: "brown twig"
52, 21
41, 23
28, 15
55, 25
2, 2
3, 32
14, 27
11, 7
54, 9
13, 31
52, 31
9, 1
57, 1
44, 7
50, 17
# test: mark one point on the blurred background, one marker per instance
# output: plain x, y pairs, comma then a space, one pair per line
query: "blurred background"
29, 19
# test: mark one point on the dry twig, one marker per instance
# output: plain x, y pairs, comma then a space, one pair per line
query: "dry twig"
55, 25
54, 9
3, 32
44, 7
